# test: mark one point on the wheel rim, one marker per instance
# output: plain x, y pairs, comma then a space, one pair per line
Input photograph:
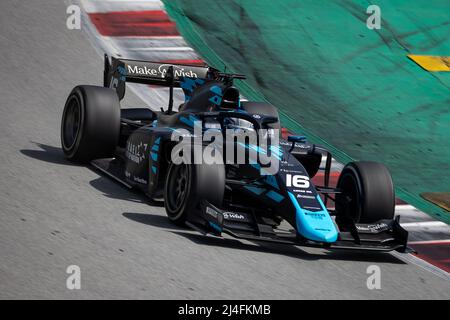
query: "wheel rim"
177, 189
349, 200
72, 123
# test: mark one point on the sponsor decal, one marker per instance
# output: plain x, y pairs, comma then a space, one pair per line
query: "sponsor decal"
142, 71
213, 213
296, 144
160, 70
305, 196
373, 228
134, 178
136, 152
316, 215
291, 170
233, 216
139, 180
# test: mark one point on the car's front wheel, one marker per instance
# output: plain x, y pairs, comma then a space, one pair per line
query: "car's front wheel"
188, 184
367, 193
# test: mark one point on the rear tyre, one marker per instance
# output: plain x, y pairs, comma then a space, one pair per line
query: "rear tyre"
367, 193
187, 185
90, 125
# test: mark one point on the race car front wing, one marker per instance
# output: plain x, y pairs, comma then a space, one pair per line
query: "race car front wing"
382, 236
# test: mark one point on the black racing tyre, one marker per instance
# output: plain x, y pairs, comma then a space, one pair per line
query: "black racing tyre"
367, 192
90, 125
188, 184
263, 108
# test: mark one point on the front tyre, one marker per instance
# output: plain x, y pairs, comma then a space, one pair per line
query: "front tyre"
90, 125
367, 193
187, 185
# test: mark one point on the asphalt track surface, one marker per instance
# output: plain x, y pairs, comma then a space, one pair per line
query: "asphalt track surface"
54, 214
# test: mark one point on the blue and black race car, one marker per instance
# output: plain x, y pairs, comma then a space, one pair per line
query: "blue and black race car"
241, 198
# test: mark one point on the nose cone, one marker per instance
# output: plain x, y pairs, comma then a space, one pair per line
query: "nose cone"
314, 225
317, 229
331, 236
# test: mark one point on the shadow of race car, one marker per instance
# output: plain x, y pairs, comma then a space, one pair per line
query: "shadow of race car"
136, 146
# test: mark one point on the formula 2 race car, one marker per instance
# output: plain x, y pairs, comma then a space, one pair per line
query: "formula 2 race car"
136, 147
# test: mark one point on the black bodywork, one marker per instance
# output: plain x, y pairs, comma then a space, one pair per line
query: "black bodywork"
254, 206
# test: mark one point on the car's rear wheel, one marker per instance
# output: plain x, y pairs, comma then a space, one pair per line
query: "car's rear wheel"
367, 193
187, 185
90, 125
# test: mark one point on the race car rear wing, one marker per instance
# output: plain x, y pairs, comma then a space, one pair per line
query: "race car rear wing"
119, 71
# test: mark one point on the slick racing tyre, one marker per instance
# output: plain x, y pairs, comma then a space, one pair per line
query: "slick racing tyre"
367, 193
90, 125
188, 184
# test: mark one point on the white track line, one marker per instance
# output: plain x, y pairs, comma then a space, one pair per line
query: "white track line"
431, 242
405, 207
424, 224
412, 259
121, 5
162, 49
